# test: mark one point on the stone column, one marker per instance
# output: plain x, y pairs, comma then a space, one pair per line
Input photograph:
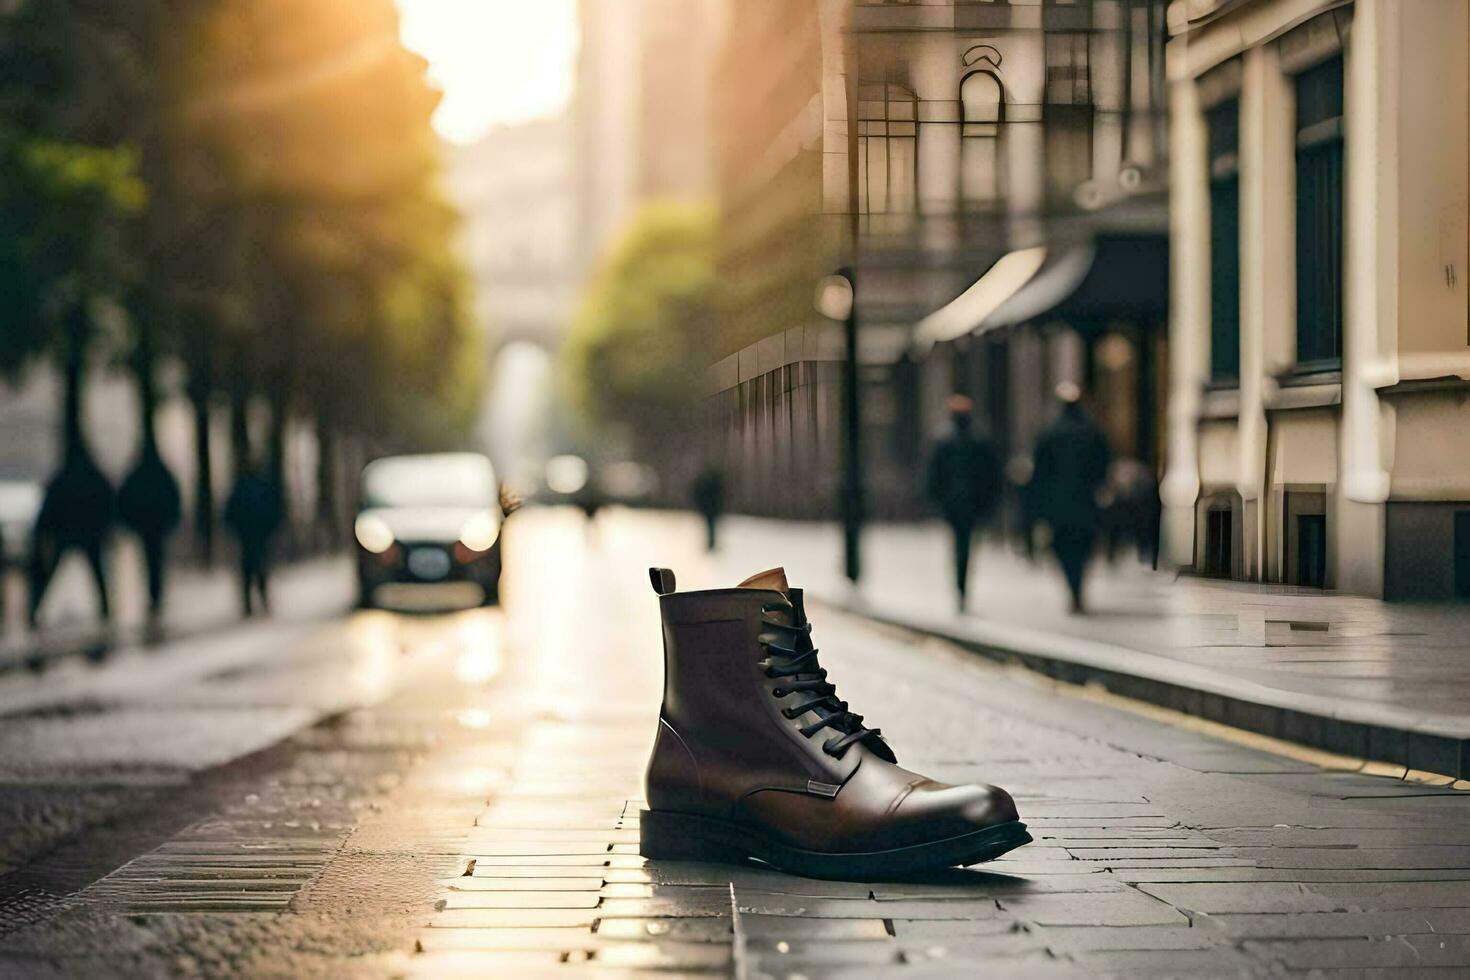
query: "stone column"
1267, 280
1370, 287
1189, 316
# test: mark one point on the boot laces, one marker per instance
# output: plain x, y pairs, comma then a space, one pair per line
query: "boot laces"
793, 658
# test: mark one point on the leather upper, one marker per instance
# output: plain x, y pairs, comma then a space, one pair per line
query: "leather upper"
724, 749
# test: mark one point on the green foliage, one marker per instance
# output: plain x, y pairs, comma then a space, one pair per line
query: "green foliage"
255, 182
62, 210
633, 355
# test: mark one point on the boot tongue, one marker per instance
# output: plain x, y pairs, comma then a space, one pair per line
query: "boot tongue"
773, 579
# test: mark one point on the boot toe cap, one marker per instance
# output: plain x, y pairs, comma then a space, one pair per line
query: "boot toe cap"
943, 810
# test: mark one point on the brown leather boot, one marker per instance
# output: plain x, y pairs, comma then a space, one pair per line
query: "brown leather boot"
756, 757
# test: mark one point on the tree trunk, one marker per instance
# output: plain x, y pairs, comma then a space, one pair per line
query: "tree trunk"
240, 426
72, 441
199, 391
327, 496
74, 357
147, 387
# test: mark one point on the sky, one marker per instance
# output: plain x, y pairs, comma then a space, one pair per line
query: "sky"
498, 62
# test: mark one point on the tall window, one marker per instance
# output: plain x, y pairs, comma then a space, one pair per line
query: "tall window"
888, 148
1068, 112
1319, 187
982, 101
1223, 123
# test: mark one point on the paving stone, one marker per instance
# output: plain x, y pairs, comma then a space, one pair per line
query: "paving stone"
464, 883
454, 963
1212, 962
1307, 924
503, 872
1124, 853
1113, 909
786, 927
1301, 897
511, 918
724, 875
691, 929
1065, 939
590, 859
521, 900
917, 930
558, 939
1288, 874
1359, 857
1410, 952
778, 957
681, 957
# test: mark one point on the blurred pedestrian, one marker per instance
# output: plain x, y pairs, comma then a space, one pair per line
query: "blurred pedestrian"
77, 511
1133, 515
964, 482
709, 499
254, 513
148, 502
1071, 464
589, 502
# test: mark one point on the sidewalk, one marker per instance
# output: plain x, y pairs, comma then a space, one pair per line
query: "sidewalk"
1389, 682
197, 600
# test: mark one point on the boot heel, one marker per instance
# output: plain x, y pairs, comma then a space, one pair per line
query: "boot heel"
678, 837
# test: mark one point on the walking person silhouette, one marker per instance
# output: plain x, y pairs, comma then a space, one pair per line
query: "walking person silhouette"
77, 512
149, 504
253, 512
1072, 458
964, 482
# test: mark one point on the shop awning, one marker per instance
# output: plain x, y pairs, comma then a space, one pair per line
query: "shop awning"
1112, 278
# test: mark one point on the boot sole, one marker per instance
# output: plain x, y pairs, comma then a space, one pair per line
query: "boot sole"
685, 837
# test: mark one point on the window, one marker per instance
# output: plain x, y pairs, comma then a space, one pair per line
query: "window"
1068, 113
1223, 125
982, 101
1319, 188
888, 148
1068, 81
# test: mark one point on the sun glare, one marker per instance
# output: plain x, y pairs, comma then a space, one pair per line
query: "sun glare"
498, 62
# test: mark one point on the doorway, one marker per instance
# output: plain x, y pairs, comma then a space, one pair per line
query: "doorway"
1311, 550
1219, 542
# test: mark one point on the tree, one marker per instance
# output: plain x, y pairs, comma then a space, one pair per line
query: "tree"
633, 359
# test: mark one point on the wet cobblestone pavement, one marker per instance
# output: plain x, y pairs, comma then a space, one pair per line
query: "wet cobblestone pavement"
471, 809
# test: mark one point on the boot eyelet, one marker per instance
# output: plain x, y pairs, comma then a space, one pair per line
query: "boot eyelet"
786, 713
776, 692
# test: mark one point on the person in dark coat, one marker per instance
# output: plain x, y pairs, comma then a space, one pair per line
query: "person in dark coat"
149, 503
78, 511
709, 499
254, 513
964, 482
1072, 459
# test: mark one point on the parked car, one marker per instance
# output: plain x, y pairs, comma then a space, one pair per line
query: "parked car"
427, 520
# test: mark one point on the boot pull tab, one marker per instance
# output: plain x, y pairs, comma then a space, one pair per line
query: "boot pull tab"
662, 579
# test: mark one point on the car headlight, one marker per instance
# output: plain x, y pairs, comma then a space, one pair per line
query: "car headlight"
373, 533
480, 531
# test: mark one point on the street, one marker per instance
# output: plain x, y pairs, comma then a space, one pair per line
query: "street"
457, 793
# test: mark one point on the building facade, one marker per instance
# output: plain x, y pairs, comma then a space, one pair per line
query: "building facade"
514, 188
920, 144
641, 110
1320, 357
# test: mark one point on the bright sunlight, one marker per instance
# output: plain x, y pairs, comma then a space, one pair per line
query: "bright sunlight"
498, 62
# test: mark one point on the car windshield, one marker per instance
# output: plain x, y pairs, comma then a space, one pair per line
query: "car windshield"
449, 480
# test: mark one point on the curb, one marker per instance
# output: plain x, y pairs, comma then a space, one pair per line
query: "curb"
1361, 729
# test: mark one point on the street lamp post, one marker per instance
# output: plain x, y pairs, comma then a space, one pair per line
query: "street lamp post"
837, 300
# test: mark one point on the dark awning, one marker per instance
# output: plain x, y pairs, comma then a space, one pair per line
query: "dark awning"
1114, 278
